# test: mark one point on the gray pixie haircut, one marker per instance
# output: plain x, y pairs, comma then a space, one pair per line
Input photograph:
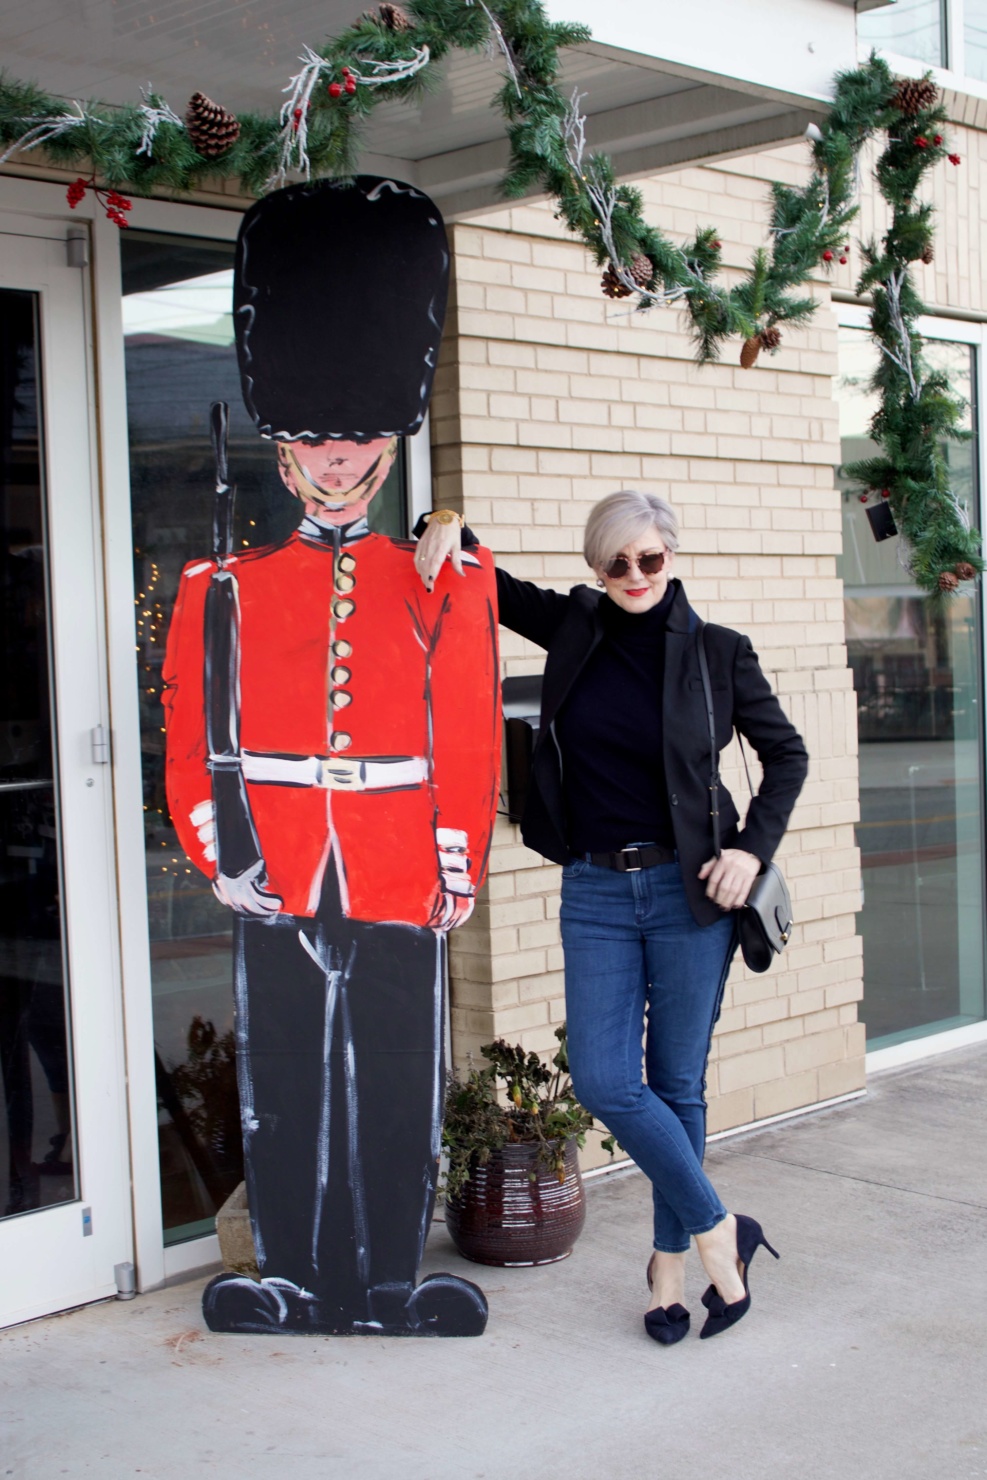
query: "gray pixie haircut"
621, 518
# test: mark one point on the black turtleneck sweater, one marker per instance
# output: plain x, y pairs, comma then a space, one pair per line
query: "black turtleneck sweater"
610, 735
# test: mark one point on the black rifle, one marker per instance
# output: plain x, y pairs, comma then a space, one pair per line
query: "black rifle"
237, 844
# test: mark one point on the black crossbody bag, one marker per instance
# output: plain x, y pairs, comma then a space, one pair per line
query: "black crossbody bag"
764, 923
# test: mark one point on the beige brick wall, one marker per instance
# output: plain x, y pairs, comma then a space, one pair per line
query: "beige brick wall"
548, 397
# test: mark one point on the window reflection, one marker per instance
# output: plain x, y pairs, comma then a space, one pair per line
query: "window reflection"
180, 357
917, 675
912, 28
975, 39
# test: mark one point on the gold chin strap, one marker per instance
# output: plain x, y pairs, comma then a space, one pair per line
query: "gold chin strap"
307, 489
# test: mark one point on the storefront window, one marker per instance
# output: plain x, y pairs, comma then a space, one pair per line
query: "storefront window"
911, 28
180, 357
917, 672
975, 39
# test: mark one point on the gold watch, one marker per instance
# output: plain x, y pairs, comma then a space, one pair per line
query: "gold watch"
445, 516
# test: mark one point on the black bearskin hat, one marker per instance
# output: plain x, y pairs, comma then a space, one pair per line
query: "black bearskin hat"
339, 300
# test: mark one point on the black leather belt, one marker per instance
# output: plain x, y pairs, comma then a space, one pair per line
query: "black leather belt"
631, 860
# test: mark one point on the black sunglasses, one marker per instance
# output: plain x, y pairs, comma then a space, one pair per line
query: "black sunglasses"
648, 565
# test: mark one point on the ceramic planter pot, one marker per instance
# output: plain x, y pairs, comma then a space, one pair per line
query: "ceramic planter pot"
514, 1211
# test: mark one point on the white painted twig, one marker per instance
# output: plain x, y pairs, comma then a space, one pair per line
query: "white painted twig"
155, 112
293, 140
903, 359
501, 42
382, 72
603, 196
293, 143
44, 129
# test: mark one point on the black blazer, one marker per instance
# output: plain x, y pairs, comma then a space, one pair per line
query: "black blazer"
569, 628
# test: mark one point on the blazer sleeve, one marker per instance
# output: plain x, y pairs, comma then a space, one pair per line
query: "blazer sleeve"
528, 610
522, 606
760, 718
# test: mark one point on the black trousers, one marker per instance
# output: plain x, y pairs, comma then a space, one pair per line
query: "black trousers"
340, 1064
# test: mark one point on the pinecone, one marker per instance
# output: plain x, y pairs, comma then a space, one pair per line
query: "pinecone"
612, 285
913, 95
948, 581
928, 255
394, 18
964, 571
640, 270
749, 352
211, 128
770, 338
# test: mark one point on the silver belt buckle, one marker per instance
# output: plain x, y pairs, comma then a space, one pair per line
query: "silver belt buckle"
632, 868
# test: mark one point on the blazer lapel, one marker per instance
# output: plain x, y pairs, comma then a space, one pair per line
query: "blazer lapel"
679, 642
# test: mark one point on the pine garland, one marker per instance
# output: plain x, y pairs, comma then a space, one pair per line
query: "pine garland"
918, 410
391, 53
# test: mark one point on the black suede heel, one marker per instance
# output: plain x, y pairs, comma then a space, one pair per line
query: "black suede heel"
750, 1237
666, 1325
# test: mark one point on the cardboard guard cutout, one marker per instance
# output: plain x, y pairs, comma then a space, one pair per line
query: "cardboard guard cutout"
332, 762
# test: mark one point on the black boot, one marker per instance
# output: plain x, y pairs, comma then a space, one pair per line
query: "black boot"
233, 1302
442, 1305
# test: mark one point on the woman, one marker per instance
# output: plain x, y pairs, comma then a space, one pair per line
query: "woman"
619, 796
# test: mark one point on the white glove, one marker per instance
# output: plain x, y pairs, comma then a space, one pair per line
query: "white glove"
458, 892
203, 819
246, 894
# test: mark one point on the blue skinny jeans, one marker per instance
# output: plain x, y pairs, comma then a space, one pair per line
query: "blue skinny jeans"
633, 948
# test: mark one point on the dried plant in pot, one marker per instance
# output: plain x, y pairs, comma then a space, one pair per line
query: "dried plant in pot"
513, 1190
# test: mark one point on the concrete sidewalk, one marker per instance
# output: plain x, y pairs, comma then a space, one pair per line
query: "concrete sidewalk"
864, 1356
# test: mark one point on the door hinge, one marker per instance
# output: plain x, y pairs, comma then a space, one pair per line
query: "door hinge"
101, 745
77, 246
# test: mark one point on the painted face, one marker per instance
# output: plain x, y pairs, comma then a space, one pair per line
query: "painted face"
336, 480
635, 590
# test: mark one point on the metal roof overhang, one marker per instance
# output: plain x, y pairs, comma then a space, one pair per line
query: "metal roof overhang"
663, 84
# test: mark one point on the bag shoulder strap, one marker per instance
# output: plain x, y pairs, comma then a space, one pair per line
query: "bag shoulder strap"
714, 758
743, 757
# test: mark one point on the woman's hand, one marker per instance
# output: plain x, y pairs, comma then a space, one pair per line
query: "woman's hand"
730, 877
439, 543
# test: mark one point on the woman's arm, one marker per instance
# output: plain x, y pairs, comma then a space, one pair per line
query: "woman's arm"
522, 606
761, 720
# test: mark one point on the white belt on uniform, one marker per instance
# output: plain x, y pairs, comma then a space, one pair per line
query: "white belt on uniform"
316, 770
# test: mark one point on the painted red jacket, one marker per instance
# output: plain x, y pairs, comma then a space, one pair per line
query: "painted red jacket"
349, 658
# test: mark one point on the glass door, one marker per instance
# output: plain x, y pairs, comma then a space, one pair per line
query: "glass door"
918, 675
64, 1206
180, 357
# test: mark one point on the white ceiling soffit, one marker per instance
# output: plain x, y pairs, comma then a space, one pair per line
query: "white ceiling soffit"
659, 89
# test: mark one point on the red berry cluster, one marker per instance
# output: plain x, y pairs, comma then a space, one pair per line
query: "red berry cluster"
954, 159
348, 85
114, 204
